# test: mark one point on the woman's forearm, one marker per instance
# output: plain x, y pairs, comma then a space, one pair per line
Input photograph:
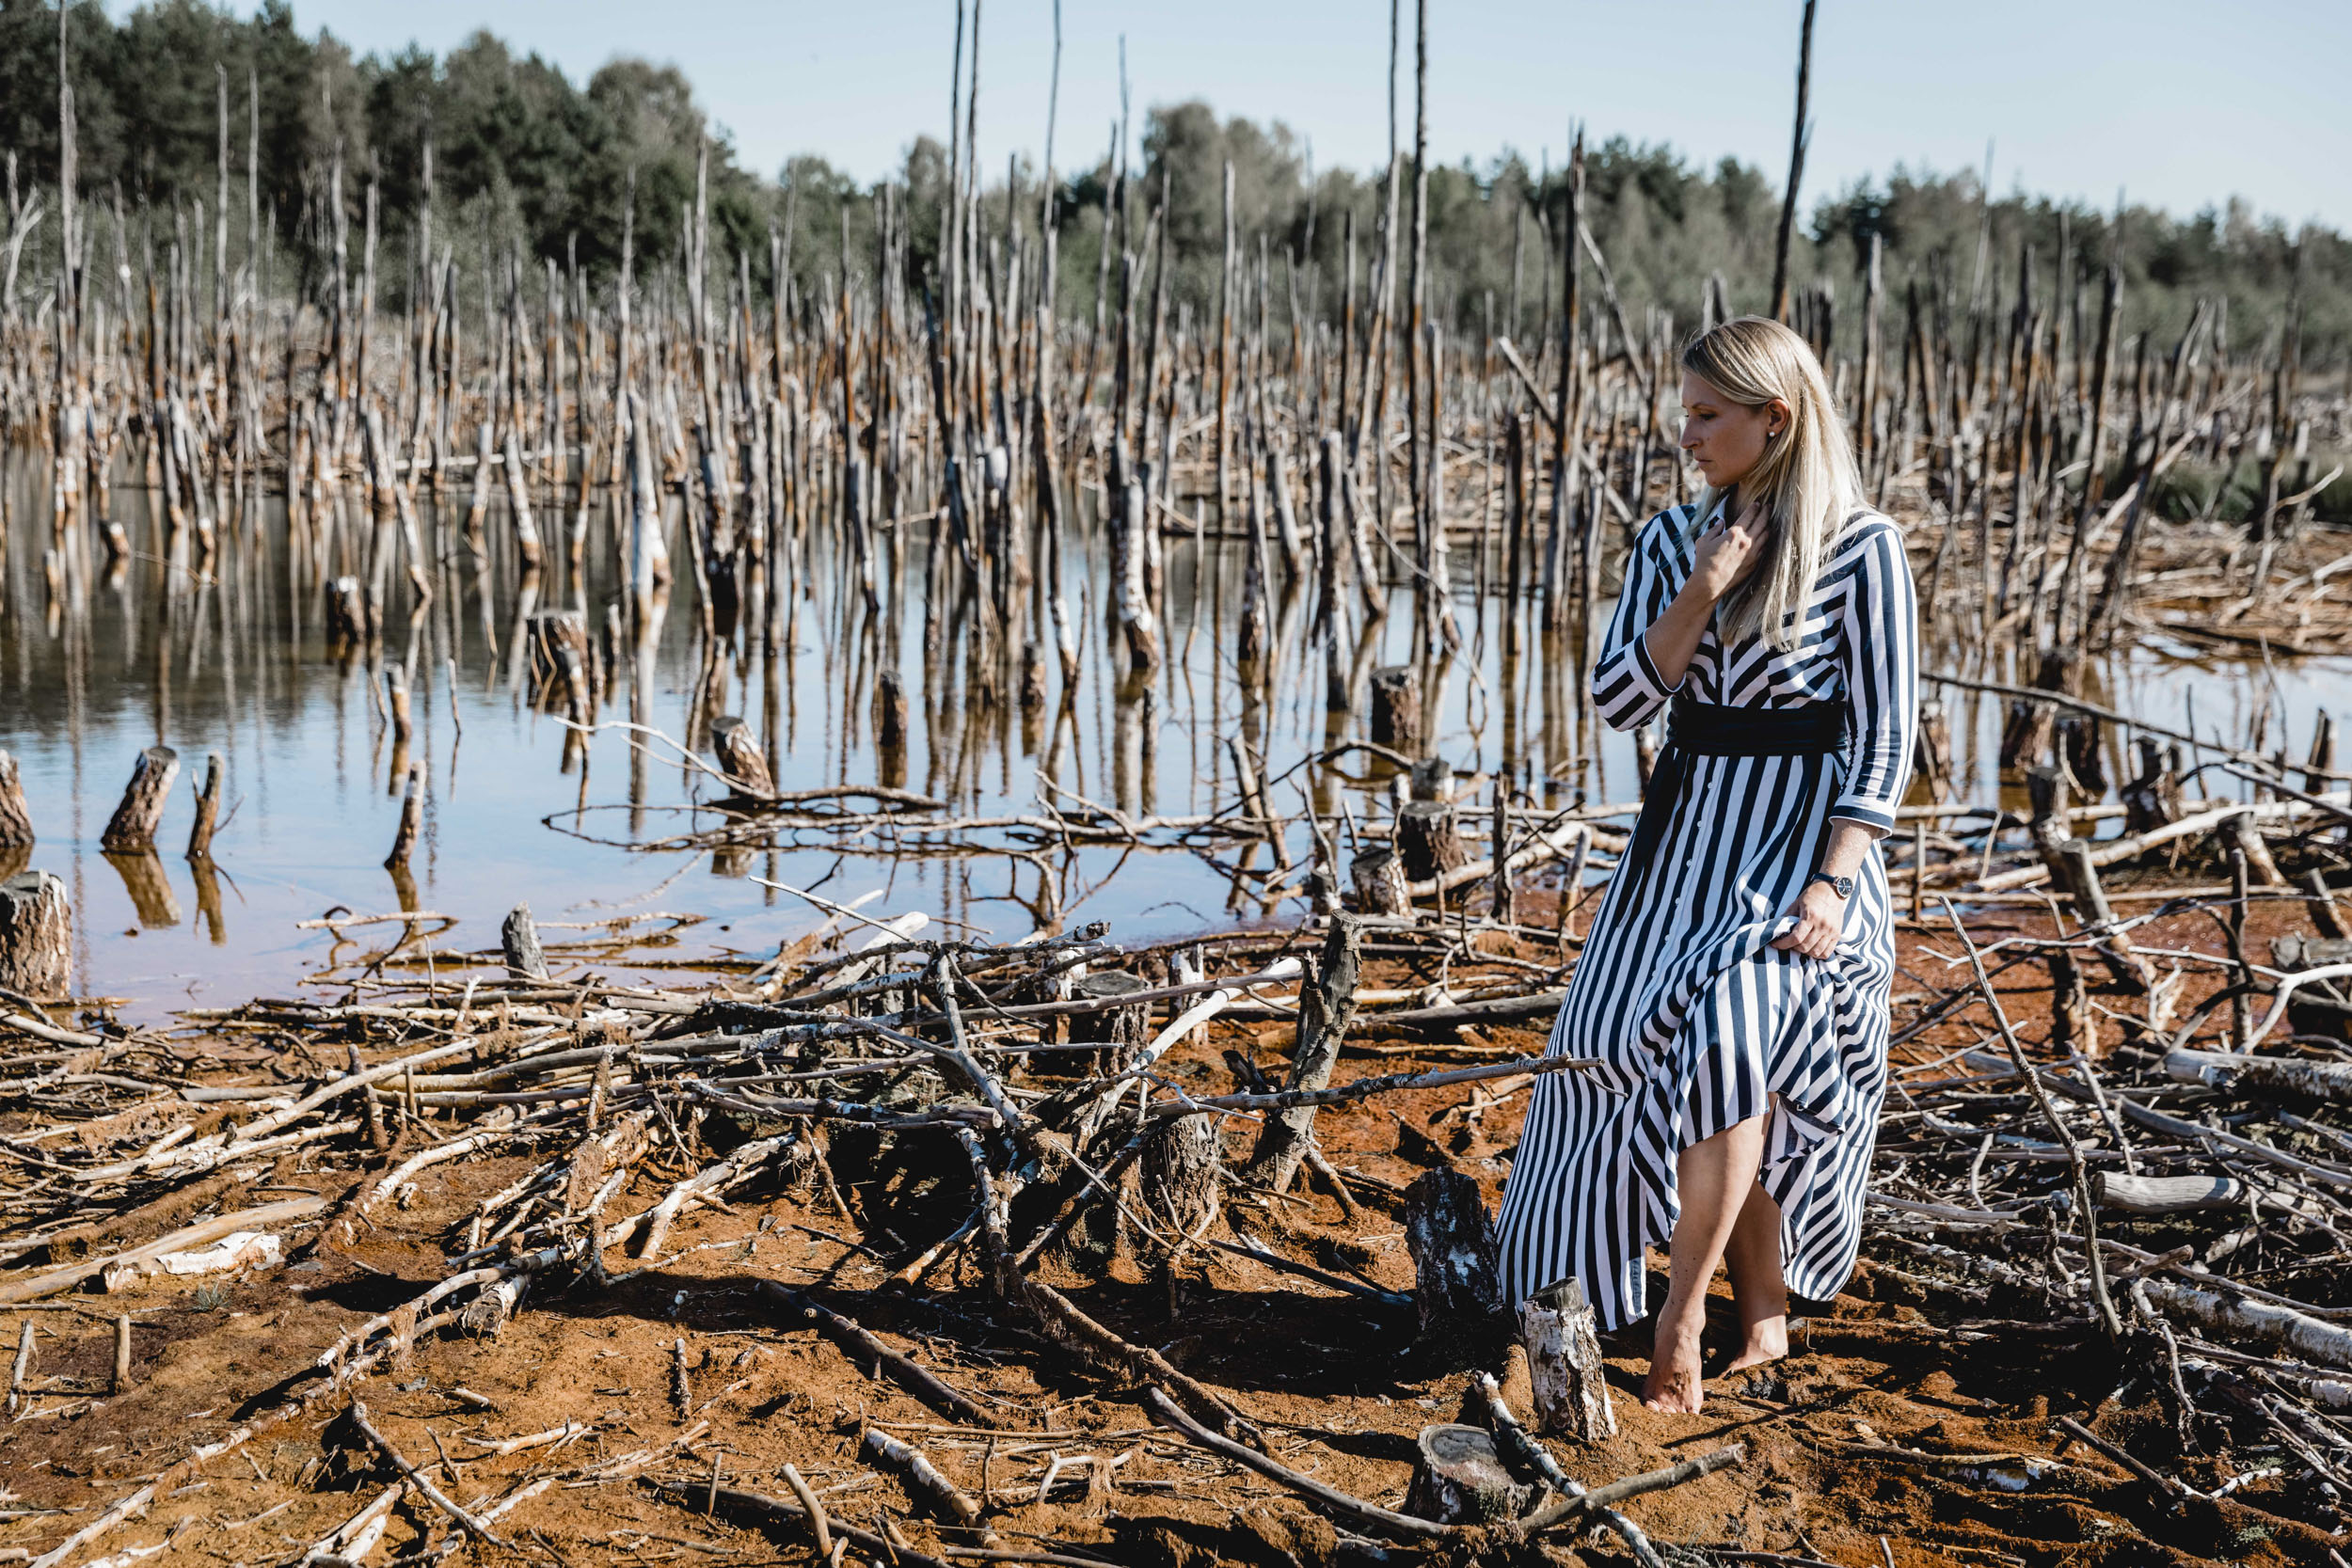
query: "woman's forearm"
1848, 846
1672, 639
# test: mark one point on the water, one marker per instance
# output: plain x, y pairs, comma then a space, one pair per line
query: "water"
237, 662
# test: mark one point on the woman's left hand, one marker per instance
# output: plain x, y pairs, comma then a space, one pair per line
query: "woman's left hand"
1820, 917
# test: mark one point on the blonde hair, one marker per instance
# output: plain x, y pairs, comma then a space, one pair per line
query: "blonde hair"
1806, 477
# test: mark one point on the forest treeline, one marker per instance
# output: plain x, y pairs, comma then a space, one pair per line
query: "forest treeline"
518, 157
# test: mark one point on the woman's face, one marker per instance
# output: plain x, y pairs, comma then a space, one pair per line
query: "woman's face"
1725, 439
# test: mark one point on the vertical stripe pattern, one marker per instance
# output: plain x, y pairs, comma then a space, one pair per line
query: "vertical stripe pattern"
1699, 1022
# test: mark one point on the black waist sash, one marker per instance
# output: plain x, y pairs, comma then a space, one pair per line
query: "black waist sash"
1706, 729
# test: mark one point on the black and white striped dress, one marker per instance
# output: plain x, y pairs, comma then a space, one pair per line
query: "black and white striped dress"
1698, 1020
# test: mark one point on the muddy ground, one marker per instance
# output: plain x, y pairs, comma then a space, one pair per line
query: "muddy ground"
1902, 1429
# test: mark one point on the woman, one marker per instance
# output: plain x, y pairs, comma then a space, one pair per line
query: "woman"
1734, 986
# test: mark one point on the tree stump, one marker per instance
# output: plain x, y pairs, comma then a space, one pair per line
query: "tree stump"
1379, 878
890, 729
411, 817
2321, 764
1432, 779
1564, 1366
2026, 733
132, 826
1429, 840
207, 811
560, 659
1455, 1257
2154, 798
1123, 1031
396, 701
519, 938
733, 742
890, 711
1396, 709
16, 822
1460, 1479
36, 935
346, 613
2078, 745
1183, 1179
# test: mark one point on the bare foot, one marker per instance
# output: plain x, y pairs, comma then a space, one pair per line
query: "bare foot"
1673, 1381
1766, 1340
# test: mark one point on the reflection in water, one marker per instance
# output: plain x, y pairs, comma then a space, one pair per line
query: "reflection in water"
355, 672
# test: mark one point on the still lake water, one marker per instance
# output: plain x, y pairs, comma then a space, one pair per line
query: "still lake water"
237, 662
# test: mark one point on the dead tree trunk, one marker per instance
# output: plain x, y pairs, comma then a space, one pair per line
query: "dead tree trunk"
741, 759
1564, 1365
1184, 1177
1379, 879
1429, 840
1326, 1007
207, 809
16, 823
36, 935
1455, 1258
1396, 709
411, 817
132, 826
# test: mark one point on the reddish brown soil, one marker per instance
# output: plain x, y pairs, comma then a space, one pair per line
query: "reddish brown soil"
1851, 1441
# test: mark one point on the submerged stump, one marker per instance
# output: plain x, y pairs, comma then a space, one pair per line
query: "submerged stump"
133, 827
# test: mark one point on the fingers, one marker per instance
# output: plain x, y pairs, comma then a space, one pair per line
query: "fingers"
1812, 936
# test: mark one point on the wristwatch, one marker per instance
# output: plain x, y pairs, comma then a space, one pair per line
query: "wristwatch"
1842, 886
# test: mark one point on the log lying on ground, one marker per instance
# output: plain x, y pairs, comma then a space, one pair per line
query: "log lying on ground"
2166, 1195
869, 1351
2287, 1075
2111, 851
66, 1279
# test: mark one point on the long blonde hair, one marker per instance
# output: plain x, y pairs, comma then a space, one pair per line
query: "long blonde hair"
1806, 477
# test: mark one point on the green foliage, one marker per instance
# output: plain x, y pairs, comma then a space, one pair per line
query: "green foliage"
524, 160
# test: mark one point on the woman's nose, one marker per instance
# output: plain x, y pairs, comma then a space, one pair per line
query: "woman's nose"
1689, 440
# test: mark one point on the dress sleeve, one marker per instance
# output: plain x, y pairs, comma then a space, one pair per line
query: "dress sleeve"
1626, 688
1882, 667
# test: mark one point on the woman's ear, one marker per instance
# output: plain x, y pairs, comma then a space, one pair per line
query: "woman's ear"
1775, 420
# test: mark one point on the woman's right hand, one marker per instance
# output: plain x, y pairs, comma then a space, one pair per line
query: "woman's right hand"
1730, 551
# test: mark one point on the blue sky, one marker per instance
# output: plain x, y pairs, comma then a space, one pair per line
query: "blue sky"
2182, 106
